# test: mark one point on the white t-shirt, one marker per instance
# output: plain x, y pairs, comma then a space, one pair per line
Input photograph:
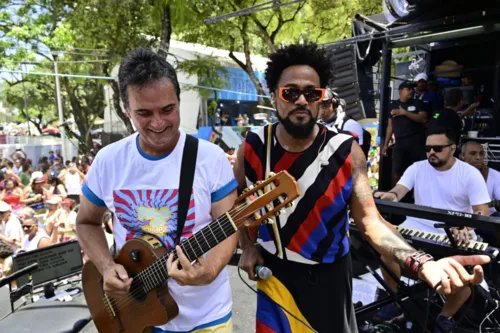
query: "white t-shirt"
458, 189
493, 184
141, 191
12, 229
350, 125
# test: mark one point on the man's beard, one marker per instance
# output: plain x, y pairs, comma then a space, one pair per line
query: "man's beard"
437, 163
298, 131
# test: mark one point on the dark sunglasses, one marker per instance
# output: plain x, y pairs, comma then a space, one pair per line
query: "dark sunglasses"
291, 95
437, 149
27, 226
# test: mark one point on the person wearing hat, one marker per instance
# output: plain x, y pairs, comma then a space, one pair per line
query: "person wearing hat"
406, 121
330, 113
11, 232
34, 195
430, 100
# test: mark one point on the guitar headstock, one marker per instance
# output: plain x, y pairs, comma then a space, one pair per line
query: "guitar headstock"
279, 188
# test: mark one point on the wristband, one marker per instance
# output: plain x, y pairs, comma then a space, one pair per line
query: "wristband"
415, 261
394, 194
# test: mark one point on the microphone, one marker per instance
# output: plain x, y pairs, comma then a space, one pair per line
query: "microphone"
19, 273
67, 122
263, 272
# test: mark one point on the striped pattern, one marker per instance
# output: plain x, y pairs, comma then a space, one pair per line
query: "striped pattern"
315, 229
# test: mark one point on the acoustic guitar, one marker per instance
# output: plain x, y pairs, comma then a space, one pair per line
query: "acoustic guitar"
148, 302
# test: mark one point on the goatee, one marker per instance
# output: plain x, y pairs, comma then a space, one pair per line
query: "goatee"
298, 131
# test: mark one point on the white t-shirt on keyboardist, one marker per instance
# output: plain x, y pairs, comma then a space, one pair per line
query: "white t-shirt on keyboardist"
142, 192
457, 189
493, 184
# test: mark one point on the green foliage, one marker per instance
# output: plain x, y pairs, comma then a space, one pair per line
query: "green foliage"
209, 71
94, 30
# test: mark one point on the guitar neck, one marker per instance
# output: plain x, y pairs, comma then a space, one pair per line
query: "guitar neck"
193, 247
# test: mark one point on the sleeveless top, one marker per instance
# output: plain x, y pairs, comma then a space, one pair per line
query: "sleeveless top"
73, 183
30, 245
315, 229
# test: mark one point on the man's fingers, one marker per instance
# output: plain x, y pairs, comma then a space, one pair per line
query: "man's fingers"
461, 271
121, 272
478, 275
377, 195
445, 284
472, 260
185, 263
455, 280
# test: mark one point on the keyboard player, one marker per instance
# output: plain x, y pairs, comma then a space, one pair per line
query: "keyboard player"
443, 182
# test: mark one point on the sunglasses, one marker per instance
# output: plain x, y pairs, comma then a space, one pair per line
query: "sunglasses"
27, 226
437, 149
291, 95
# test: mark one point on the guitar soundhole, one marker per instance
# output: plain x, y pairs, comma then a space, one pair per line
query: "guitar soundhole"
137, 290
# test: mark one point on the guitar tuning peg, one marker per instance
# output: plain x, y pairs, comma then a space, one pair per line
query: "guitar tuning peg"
282, 210
269, 221
290, 205
271, 174
278, 212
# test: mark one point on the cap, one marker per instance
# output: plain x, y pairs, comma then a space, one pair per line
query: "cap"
328, 95
54, 200
421, 76
67, 202
406, 84
4, 207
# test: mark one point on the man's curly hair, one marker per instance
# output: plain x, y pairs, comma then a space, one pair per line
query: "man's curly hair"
298, 54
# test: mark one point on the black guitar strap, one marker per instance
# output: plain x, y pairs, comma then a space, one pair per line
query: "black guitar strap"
188, 166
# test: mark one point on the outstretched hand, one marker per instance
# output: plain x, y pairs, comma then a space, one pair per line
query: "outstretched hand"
449, 273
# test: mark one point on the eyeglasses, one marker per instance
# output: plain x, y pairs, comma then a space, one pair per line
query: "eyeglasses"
437, 149
27, 226
291, 95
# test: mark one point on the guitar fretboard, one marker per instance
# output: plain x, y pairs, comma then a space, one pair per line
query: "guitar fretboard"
194, 247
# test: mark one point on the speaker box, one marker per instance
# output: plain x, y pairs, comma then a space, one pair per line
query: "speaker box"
345, 80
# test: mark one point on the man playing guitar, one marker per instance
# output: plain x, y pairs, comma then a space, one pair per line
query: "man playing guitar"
137, 179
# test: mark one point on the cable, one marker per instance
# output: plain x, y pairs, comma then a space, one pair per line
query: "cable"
291, 314
488, 316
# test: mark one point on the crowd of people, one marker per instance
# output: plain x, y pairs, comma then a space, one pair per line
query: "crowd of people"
38, 202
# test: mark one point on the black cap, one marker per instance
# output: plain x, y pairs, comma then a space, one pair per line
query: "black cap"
406, 84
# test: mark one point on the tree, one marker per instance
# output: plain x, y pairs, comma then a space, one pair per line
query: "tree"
40, 99
38, 31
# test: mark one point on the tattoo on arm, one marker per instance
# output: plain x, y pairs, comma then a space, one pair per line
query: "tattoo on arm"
394, 243
361, 187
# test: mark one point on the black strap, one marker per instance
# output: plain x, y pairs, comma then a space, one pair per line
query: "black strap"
188, 167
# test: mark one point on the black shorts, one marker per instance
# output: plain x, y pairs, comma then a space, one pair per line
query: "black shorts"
321, 294
406, 151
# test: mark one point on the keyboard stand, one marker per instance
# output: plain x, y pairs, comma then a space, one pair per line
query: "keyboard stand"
446, 228
403, 289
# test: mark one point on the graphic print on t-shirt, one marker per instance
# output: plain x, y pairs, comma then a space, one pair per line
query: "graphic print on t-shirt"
152, 212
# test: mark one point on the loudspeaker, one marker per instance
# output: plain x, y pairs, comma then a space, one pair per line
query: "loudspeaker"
345, 80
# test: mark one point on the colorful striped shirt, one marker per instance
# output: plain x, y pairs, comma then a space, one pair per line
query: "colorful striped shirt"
314, 230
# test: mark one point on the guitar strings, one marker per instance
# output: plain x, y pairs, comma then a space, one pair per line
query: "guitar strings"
144, 275
141, 277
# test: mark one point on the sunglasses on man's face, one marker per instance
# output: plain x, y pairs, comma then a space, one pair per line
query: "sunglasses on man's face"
27, 226
291, 95
437, 149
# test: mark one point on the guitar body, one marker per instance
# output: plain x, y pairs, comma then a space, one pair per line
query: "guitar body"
129, 314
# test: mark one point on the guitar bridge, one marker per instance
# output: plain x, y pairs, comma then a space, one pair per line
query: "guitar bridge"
109, 305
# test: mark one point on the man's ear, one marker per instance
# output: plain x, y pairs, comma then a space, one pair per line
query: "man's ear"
273, 99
